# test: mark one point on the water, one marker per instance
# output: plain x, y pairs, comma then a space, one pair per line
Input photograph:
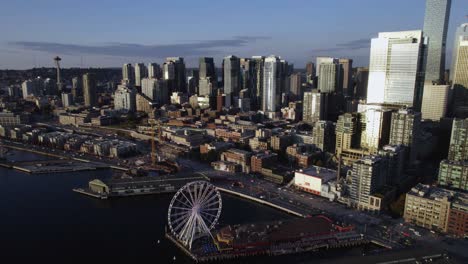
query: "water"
42, 219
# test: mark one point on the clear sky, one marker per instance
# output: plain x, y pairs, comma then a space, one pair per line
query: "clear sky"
108, 33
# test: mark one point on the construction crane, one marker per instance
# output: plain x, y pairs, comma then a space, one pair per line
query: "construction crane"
153, 141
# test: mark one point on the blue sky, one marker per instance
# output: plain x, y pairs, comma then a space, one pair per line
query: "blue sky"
108, 33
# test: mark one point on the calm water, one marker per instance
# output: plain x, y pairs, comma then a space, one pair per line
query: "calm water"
41, 218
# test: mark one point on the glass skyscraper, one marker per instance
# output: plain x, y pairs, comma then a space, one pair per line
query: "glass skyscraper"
436, 22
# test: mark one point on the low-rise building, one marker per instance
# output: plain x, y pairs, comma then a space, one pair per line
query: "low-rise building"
261, 160
238, 156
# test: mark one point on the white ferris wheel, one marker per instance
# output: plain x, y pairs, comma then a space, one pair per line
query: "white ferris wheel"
194, 211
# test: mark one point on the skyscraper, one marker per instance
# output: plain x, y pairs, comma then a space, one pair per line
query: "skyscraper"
404, 130
140, 73
458, 148
435, 102
77, 87
174, 73
460, 78
346, 76
231, 76
460, 34
207, 82
314, 107
329, 78
321, 60
395, 70
155, 89
348, 132
375, 129
361, 79
323, 135
206, 68
128, 74
271, 83
90, 90
257, 81
310, 72
436, 22
154, 71
295, 88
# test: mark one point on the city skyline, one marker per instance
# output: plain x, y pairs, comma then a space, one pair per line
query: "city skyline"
103, 40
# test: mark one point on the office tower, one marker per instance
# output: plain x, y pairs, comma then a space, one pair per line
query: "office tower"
156, 90
247, 76
310, 72
323, 135
206, 86
192, 81
140, 73
436, 22
128, 74
458, 149
360, 79
395, 71
367, 175
77, 87
460, 78
453, 174
28, 89
460, 34
257, 89
295, 87
321, 60
90, 90
329, 79
125, 98
348, 132
315, 106
435, 102
396, 159
206, 67
404, 130
231, 76
347, 76
174, 73
50, 87
154, 71
271, 84
375, 129
67, 99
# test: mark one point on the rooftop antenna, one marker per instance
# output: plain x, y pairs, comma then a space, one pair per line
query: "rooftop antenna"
59, 82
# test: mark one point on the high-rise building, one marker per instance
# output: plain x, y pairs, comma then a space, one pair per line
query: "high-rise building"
231, 76
140, 73
453, 174
50, 87
206, 86
125, 98
435, 102
156, 90
174, 73
460, 78
321, 60
247, 76
296, 86
90, 90
458, 148
28, 89
404, 129
128, 74
375, 129
323, 135
347, 76
395, 70
436, 22
310, 72
67, 99
367, 176
271, 84
154, 71
460, 34
329, 79
396, 159
77, 87
206, 68
257, 81
315, 106
361, 78
348, 132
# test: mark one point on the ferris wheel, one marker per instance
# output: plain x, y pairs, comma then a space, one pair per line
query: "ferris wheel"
194, 211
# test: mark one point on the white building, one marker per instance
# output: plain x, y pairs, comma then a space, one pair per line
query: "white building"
125, 98
395, 68
140, 73
313, 178
321, 60
155, 89
271, 83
